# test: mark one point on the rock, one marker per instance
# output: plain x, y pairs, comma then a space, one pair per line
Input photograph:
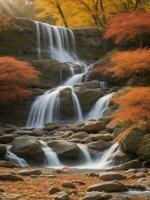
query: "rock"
91, 84
2, 190
79, 135
99, 145
105, 137
6, 139
68, 184
66, 151
30, 172
7, 164
91, 94
112, 176
51, 126
131, 164
96, 126
112, 186
97, 196
54, 190
120, 157
144, 149
3, 151
131, 142
136, 187
62, 196
28, 148
10, 177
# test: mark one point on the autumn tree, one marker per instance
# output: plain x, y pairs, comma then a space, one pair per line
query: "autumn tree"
128, 27
14, 78
134, 104
124, 65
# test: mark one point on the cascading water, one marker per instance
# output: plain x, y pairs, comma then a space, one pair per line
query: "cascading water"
100, 107
14, 158
85, 154
103, 162
52, 159
55, 42
46, 108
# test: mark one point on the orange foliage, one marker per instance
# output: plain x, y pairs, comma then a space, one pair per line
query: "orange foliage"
125, 64
134, 104
14, 76
126, 26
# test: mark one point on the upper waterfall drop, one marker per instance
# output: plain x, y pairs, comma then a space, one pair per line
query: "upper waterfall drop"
55, 42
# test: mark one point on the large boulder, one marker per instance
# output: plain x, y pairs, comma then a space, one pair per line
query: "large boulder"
132, 141
28, 148
97, 196
95, 125
99, 145
92, 95
3, 151
66, 105
52, 72
112, 186
66, 151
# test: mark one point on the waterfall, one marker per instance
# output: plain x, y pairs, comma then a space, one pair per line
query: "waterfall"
14, 158
100, 107
105, 161
85, 153
46, 108
52, 159
55, 42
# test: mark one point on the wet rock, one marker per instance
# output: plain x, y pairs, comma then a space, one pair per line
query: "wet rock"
97, 196
28, 148
68, 184
54, 190
92, 84
112, 176
62, 196
7, 164
10, 177
132, 140
3, 151
6, 139
99, 145
112, 186
120, 157
94, 126
30, 172
131, 164
105, 137
51, 126
91, 94
136, 187
80, 135
66, 151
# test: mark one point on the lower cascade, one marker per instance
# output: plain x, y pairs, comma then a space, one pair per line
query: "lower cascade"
14, 158
51, 158
104, 161
100, 107
85, 154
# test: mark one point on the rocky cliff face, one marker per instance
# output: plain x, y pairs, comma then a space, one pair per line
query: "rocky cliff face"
21, 41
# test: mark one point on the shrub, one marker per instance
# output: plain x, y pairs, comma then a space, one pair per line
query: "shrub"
126, 64
14, 78
134, 104
128, 27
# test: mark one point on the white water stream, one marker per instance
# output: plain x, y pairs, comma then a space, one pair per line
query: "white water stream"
52, 159
14, 158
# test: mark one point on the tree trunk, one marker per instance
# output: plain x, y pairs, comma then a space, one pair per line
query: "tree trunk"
62, 15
